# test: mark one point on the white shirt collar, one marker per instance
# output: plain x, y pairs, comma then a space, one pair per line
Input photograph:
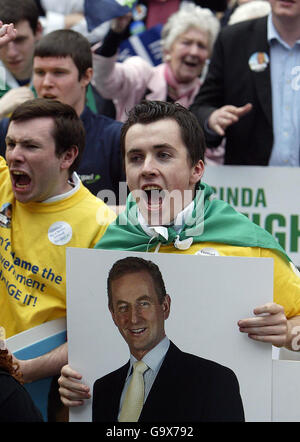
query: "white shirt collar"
179, 222
273, 34
154, 357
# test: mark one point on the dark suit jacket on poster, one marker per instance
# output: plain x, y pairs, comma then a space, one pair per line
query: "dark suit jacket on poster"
230, 80
187, 389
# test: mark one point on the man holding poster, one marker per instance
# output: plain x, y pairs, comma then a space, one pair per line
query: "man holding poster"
175, 386
169, 210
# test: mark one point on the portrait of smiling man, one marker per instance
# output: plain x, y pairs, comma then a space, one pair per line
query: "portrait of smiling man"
139, 306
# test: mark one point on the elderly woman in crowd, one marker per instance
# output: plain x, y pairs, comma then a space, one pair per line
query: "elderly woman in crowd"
187, 41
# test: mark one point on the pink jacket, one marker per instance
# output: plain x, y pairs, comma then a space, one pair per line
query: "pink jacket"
129, 82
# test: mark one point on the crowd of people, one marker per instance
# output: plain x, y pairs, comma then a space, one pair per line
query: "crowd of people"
79, 128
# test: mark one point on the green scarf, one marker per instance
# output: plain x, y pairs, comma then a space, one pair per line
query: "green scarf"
211, 221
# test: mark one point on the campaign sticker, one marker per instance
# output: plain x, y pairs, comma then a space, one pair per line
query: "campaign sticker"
208, 251
258, 61
139, 12
5, 215
60, 233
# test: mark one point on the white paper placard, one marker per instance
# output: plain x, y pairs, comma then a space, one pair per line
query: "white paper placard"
209, 295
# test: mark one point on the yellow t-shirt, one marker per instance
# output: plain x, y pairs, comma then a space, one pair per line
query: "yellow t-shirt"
286, 276
33, 241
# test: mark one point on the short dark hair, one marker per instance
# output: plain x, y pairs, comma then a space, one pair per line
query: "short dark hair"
64, 43
133, 264
68, 128
15, 11
150, 111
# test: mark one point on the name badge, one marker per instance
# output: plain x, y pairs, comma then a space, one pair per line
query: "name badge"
258, 61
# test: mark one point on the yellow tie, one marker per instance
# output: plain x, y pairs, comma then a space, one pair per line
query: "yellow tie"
134, 397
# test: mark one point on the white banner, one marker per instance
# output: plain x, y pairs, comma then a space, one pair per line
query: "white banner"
269, 196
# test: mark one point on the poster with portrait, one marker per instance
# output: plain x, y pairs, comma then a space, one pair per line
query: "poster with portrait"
209, 294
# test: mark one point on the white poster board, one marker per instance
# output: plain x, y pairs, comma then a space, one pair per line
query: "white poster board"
268, 195
209, 295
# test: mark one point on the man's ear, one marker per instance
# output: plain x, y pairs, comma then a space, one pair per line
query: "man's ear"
39, 31
68, 157
86, 78
197, 172
166, 305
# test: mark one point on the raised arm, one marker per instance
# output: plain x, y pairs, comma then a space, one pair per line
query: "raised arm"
125, 82
44, 366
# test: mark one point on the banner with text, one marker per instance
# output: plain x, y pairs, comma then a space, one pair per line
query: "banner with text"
267, 195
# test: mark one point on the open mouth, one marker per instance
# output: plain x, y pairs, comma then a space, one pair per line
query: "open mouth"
21, 180
154, 196
192, 63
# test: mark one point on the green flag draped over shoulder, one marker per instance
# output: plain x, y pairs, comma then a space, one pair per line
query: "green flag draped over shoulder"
211, 221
